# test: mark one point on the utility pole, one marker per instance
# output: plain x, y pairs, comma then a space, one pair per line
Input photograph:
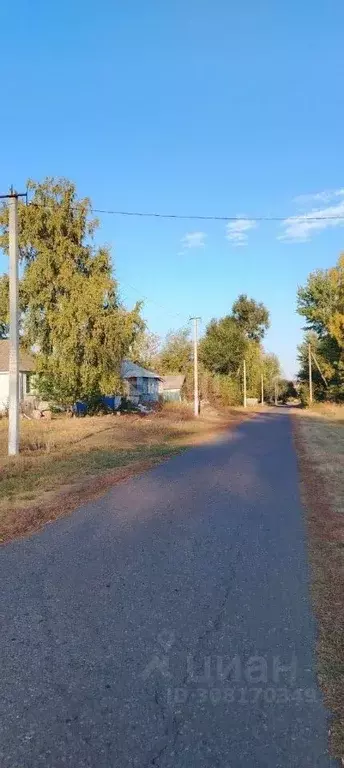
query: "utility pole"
276, 393
13, 405
245, 387
196, 395
262, 387
310, 374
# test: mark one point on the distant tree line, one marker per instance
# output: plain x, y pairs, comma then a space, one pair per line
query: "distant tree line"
227, 342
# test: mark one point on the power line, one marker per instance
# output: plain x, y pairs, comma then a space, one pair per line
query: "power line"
152, 301
200, 217
148, 214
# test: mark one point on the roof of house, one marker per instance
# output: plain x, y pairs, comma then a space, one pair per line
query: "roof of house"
26, 361
130, 370
173, 382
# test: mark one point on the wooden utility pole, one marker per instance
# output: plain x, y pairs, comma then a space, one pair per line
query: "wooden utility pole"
245, 384
310, 374
276, 393
195, 335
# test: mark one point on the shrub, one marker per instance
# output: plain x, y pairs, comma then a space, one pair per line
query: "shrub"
304, 396
225, 390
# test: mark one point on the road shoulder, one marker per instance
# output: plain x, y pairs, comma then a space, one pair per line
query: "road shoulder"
321, 480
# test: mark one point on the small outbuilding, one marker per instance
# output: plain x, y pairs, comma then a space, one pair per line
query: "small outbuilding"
171, 387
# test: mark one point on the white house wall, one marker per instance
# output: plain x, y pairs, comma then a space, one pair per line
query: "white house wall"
4, 387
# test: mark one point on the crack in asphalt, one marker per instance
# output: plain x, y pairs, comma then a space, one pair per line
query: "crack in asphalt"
173, 728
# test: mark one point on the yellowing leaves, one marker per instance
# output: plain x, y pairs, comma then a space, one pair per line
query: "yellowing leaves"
71, 309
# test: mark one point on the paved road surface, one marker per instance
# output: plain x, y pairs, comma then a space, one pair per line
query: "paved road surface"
149, 628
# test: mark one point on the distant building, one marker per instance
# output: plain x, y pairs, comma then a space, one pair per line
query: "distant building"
26, 368
141, 385
171, 387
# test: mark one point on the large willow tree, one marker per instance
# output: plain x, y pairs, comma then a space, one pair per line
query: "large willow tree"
71, 313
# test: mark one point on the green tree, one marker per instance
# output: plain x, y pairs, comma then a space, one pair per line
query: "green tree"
230, 340
176, 353
72, 315
259, 363
286, 390
272, 373
254, 368
225, 390
317, 301
222, 349
252, 317
327, 353
321, 302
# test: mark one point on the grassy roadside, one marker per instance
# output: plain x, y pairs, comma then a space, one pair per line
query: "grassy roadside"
319, 438
64, 462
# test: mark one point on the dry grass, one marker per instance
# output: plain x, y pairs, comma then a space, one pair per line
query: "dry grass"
319, 435
65, 461
332, 412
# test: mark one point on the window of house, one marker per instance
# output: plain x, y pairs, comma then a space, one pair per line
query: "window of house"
151, 386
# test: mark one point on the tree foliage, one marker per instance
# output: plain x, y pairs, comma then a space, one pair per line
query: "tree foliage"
176, 353
327, 353
225, 390
223, 346
72, 315
254, 368
271, 372
321, 303
252, 317
317, 300
226, 343
230, 340
286, 390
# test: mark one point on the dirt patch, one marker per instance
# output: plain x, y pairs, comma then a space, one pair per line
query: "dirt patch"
322, 488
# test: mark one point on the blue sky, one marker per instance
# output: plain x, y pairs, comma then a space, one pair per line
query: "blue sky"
187, 106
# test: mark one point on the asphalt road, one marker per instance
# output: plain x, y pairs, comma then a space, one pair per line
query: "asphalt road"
150, 627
